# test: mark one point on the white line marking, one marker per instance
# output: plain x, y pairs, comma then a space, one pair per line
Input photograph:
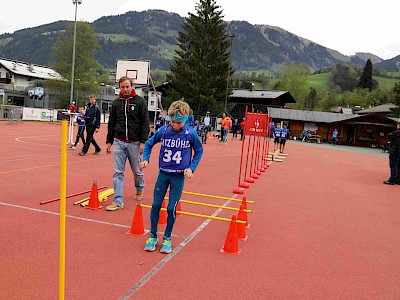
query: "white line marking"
57, 214
174, 252
46, 166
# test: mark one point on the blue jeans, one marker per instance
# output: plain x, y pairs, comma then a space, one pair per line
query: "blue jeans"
164, 180
226, 132
123, 151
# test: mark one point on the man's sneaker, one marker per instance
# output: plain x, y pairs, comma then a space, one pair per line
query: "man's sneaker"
389, 182
166, 245
151, 243
138, 196
72, 147
97, 152
113, 207
82, 153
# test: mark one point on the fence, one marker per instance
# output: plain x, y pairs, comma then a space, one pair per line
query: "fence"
12, 113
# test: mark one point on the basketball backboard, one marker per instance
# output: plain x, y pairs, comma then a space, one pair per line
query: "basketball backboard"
137, 70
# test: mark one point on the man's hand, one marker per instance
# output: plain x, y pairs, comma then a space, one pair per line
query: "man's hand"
108, 148
143, 164
188, 173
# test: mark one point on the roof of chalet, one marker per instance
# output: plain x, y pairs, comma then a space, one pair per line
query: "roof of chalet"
384, 108
241, 95
29, 70
309, 116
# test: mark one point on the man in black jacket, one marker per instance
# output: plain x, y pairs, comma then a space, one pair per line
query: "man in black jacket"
92, 120
128, 130
394, 156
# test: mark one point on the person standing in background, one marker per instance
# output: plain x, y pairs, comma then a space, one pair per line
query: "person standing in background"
394, 156
92, 120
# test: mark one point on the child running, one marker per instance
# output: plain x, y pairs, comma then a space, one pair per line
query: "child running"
178, 142
80, 119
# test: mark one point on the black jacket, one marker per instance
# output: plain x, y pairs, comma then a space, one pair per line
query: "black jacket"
92, 115
394, 139
129, 120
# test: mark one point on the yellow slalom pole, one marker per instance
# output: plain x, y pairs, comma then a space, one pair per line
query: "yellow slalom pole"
211, 205
63, 209
216, 197
102, 197
199, 215
108, 192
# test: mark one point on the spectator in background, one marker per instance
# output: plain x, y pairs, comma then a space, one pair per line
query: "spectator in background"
190, 120
72, 107
335, 135
242, 124
92, 120
80, 119
235, 129
206, 127
160, 121
394, 156
226, 125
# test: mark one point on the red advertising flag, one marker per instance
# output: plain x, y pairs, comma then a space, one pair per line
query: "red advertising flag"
256, 124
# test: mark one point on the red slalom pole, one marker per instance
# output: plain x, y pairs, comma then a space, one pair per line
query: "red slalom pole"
239, 189
72, 195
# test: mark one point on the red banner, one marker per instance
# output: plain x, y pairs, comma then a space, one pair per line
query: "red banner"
256, 124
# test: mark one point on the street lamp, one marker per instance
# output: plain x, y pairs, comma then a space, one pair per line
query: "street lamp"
229, 68
74, 2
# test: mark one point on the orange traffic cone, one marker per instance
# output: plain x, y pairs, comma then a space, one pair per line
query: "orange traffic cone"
163, 215
137, 227
231, 242
178, 208
244, 203
241, 228
94, 202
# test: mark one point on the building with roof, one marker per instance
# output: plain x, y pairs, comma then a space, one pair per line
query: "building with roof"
369, 130
21, 83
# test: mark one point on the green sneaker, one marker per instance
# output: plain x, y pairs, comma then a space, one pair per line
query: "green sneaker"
166, 245
151, 243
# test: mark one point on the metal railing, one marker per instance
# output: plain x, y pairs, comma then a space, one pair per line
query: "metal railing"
12, 113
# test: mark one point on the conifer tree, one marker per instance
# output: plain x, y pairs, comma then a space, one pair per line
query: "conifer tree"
200, 69
366, 81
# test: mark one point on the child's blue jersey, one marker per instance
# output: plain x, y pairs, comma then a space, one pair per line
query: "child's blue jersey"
284, 133
277, 132
176, 148
80, 119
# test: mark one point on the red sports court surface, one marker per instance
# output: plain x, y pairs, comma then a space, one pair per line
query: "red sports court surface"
323, 227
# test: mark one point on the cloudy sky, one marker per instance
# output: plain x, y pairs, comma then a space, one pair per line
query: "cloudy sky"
348, 26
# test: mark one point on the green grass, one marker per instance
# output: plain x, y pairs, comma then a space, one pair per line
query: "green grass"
387, 83
320, 82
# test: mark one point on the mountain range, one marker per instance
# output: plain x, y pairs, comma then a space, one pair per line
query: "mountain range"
151, 35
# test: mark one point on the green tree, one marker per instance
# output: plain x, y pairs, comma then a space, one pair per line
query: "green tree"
366, 81
200, 69
294, 78
85, 64
328, 101
310, 102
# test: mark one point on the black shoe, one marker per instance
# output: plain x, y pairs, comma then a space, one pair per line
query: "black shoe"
389, 182
398, 183
82, 153
97, 152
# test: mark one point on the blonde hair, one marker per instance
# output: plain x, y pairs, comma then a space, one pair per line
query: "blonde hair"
180, 107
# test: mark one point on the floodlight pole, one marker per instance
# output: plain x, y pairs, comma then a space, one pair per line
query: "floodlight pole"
74, 2
229, 69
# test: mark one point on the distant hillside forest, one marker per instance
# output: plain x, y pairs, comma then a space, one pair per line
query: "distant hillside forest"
151, 35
